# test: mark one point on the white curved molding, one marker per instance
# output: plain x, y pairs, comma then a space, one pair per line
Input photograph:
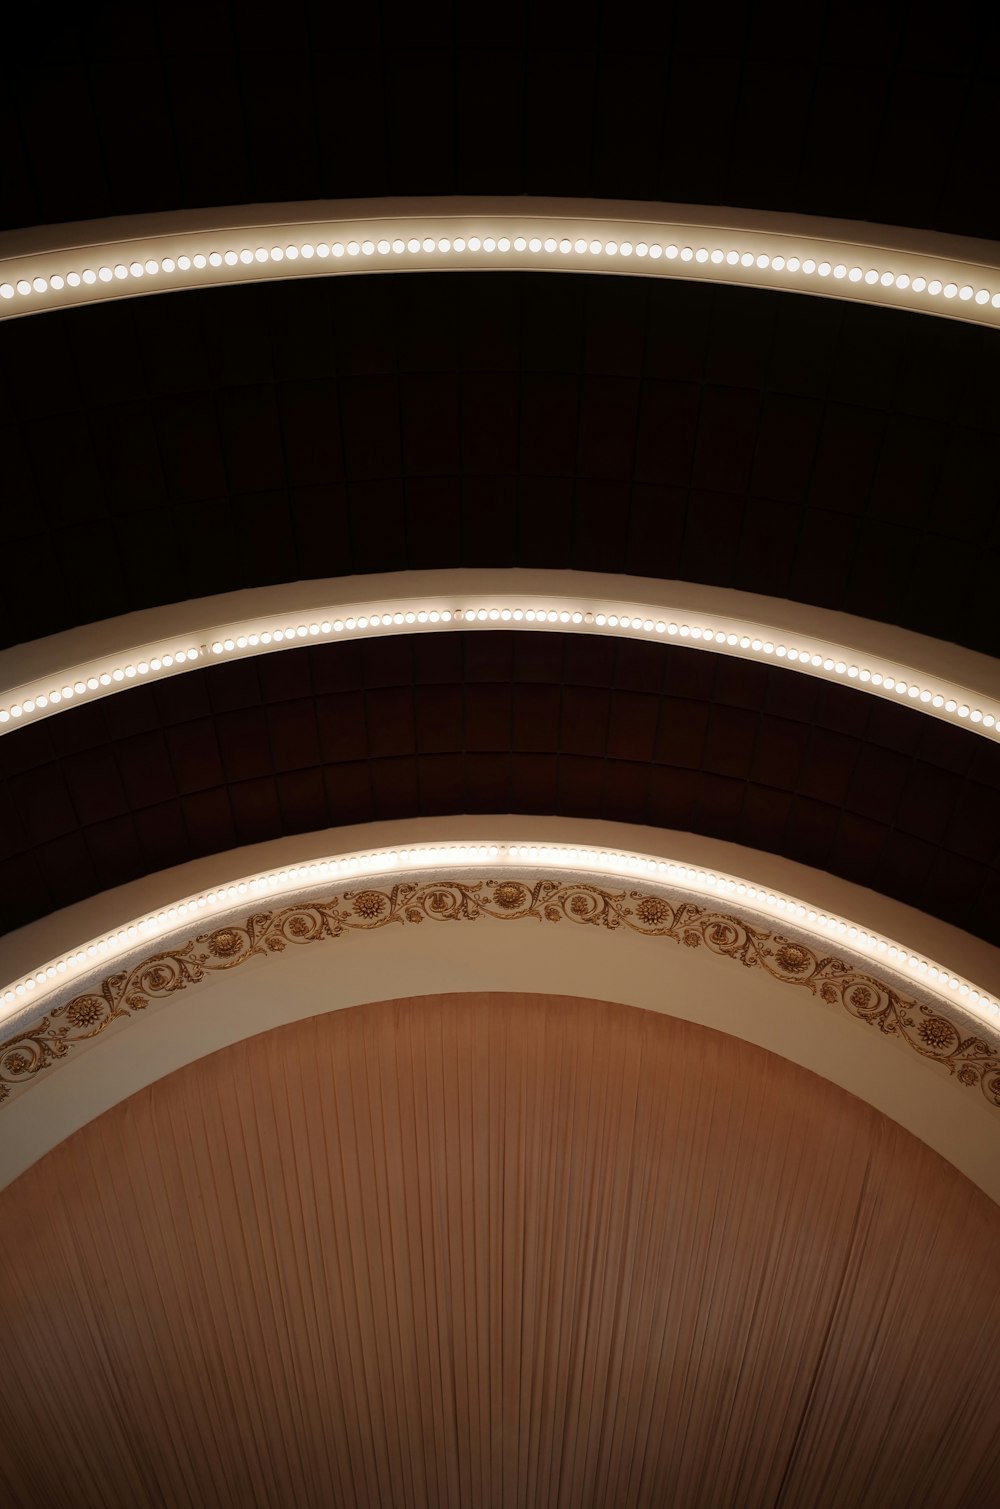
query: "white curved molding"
53, 267
619, 963
61, 931
47, 676
47, 983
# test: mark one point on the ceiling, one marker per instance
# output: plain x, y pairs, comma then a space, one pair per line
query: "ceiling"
181, 445
500, 722
496, 1250
882, 113
168, 447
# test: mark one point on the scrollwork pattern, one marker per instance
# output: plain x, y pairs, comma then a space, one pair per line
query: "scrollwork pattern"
927, 1030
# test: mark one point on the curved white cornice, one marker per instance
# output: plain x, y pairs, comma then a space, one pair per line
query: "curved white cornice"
47, 676
53, 267
594, 917
45, 984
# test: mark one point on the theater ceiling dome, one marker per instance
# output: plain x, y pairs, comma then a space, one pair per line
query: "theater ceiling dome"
511, 1241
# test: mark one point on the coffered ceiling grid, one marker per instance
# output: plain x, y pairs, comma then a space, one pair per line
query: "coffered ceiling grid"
164, 449
559, 725
131, 107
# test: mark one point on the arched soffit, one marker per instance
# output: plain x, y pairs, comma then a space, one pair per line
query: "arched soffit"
46, 677
62, 267
564, 917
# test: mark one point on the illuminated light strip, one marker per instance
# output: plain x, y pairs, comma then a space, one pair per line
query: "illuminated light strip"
581, 613
71, 265
616, 864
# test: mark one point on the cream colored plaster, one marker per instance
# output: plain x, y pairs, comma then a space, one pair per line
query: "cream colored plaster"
27, 947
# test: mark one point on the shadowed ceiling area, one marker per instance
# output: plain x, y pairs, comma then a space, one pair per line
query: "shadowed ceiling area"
847, 109
176, 446
535, 723
182, 445
165, 448
498, 1250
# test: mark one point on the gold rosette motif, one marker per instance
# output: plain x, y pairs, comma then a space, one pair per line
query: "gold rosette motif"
84, 1016
790, 960
511, 896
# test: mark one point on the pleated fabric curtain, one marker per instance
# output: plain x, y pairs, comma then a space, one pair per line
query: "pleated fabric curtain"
497, 1251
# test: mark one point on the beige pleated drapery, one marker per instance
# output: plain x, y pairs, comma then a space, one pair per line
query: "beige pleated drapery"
497, 1251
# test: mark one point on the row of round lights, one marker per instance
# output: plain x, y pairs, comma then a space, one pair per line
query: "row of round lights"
429, 856
626, 620
823, 266
113, 678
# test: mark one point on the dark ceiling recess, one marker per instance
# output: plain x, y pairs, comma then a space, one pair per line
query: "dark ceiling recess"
533, 723
172, 447
887, 112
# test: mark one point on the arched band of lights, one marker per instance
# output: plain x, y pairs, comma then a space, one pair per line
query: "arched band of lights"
563, 612
617, 864
59, 267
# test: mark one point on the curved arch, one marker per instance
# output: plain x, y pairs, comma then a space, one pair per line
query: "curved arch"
61, 267
46, 986
959, 686
612, 924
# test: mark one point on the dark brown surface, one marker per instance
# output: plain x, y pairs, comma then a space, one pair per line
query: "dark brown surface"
548, 724
886, 112
176, 446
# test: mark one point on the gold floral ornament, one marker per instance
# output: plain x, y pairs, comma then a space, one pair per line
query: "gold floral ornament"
936, 1033
369, 904
226, 942
654, 911
581, 906
925, 1029
23, 1056
510, 894
792, 959
84, 1012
